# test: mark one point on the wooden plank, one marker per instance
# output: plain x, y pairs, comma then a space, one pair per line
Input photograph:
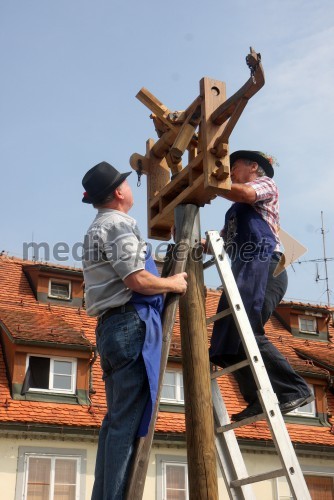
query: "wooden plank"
169, 189
143, 447
181, 198
214, 94
192, 194
156, 106
158, 177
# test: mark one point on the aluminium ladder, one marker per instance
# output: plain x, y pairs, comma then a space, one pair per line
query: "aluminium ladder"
237, 480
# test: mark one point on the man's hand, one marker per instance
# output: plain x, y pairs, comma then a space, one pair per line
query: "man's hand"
179, 283
148, 284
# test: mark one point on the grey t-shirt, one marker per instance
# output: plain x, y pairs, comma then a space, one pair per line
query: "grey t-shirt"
113, 249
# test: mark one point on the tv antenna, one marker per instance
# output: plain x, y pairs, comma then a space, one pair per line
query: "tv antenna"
324, 259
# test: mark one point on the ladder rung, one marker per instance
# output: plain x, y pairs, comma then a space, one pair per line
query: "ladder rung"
209, 263
220, 315
257, 478
241, 423
230, 369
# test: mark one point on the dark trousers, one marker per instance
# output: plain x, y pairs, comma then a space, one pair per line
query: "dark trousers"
287, 384
120, 342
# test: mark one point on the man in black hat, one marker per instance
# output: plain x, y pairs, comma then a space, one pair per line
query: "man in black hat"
252, 242
124, 291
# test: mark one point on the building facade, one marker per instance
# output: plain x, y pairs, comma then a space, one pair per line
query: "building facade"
52, 396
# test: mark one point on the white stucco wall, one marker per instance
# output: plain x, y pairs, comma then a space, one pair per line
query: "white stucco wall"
9, 460
256, 461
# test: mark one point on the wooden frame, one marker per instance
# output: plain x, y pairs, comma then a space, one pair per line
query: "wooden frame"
207, 173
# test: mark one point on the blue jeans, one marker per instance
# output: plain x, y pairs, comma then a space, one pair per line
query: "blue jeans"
119, 341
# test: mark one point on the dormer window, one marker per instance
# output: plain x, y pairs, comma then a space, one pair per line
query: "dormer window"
52, 284
307, 324
172, 389
308, 410
53, 375
59, 289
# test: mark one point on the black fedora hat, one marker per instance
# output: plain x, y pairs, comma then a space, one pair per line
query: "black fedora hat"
265, 161
100, 181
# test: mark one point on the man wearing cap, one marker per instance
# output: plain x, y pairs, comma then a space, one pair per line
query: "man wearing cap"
124, 291
252, 242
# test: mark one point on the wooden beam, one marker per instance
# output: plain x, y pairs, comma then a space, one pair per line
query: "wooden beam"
253, 85
162, 146
156, 106
140, 163
159, 175
186, 133
220, 147
201, 453
216, 170
175, 164
141, 458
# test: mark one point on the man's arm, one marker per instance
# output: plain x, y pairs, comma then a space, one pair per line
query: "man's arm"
241, 193
146, 283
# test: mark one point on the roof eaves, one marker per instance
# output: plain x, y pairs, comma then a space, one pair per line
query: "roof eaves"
302, 307
300, 448
53, 269
40, 343
315, 360
8, 427
63, 345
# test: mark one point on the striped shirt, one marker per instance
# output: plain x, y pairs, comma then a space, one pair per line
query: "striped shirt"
113, 249
267, 203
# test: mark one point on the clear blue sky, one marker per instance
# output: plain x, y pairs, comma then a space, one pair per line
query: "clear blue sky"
69, 75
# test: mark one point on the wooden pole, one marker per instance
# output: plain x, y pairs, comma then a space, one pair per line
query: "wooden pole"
136, 484
202, 467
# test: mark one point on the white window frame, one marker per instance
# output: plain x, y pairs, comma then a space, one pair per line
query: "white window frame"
60, 282
308, 318
163, 461
52, 389
80, 455
298, 412
178, 378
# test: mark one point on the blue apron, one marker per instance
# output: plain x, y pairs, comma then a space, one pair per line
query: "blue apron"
249, 242
149, 309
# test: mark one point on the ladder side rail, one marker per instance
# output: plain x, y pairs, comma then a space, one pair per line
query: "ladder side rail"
267, 397
230, 459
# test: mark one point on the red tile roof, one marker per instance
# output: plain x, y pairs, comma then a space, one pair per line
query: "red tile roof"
25, 318
41, 325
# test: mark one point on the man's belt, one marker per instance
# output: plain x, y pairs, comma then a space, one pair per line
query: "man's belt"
116, 310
